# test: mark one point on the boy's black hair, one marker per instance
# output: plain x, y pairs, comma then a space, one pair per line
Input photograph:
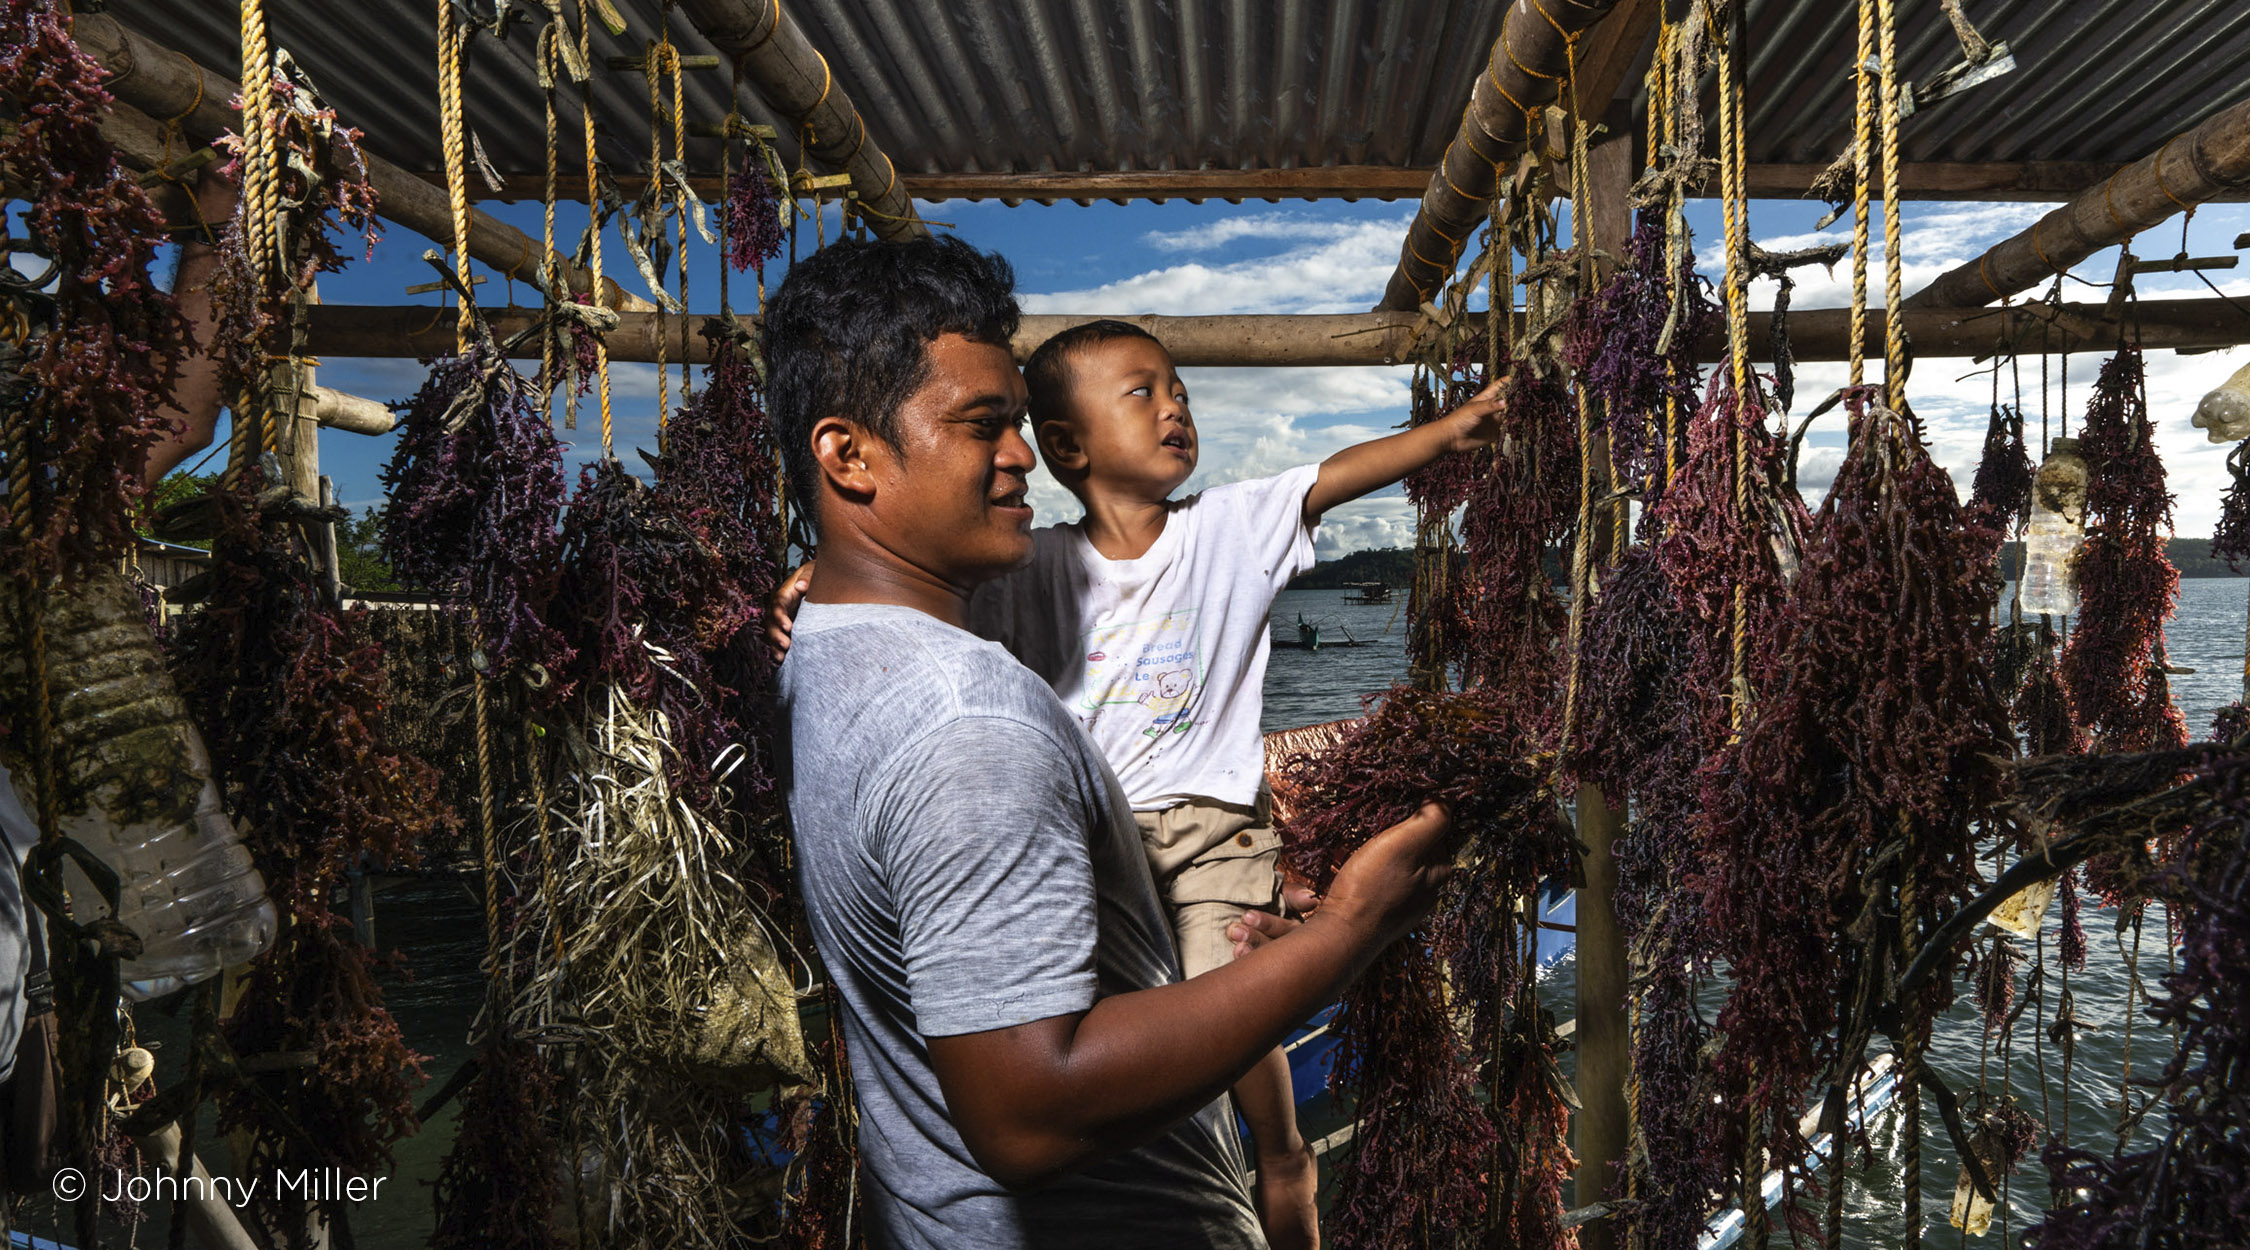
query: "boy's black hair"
848, 333
1047, 374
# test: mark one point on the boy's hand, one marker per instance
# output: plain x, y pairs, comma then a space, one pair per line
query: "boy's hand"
1477, 422
781, 609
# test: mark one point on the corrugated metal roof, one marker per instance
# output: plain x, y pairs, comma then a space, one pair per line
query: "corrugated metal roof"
2096, 80
1043, 85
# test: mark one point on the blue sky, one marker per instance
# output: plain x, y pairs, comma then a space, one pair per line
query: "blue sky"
1330, 256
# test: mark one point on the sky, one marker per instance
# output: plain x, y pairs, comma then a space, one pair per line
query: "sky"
1331, 256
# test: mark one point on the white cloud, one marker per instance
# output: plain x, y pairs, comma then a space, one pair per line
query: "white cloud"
1342, 267
1275, 225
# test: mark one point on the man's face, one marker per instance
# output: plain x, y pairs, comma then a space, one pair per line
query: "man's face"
950, 498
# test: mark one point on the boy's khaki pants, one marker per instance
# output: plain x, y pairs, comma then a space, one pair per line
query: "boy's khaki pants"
1212, 862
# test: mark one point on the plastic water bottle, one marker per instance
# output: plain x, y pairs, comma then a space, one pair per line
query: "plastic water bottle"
135, 788
2224, 414
2056, 530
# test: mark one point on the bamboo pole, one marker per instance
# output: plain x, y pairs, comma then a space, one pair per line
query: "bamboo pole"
1527, 66
796, 80
2206, 163
151, 81
1377, 338
1605, 1035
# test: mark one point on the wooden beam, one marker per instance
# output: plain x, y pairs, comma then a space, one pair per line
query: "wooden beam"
2189, 169
2014, 181
154, 81
1377, 338
795, 79
1524, 70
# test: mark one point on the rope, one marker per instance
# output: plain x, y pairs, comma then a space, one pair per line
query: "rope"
594, 231
254, 428
1862, 141
453, 136
1582, 555
1910, 1064
487, 820
1737, 210
550, 55
680, 207
657, 55
1894, 223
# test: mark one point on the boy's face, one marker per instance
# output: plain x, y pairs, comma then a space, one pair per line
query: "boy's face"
1129, 416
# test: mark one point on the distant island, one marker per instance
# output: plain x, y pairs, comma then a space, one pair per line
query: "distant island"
1394, 566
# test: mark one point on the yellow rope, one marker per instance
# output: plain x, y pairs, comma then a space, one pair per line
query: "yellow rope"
550, 58
1894, 224
1582, 555
32, 602
1737, 210
453, 136
680, 207
594, 233
255, 428
651, 68
1862, 144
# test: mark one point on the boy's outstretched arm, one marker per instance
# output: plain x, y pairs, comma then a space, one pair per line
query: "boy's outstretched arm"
1377, 463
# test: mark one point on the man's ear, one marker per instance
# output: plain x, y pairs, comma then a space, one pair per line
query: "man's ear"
1058, 446
841, 449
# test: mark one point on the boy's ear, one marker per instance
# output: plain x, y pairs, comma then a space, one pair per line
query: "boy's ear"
841, 449
1058, 446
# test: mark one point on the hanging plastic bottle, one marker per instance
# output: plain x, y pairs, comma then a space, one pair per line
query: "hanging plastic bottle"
135, 788
2224, 414
2052, 537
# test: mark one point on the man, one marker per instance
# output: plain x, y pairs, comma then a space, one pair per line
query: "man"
1030, 1069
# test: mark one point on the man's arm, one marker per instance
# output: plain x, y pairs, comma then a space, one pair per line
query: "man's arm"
195, 391
1377, 463
1040, 1099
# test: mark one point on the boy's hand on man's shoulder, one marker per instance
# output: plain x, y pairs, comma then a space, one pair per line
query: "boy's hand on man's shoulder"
1477, 422
781, 609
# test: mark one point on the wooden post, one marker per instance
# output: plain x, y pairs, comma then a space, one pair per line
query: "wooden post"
1605, 1038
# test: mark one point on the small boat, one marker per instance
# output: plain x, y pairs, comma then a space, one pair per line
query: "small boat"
1309, 638
1368, 592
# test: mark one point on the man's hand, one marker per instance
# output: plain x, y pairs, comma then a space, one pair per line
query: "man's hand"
1392, 881
781, 609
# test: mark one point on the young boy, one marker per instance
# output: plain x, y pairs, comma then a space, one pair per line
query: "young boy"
1149, 620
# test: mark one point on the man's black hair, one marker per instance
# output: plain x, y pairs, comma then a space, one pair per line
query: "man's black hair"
848, 334
1047, 374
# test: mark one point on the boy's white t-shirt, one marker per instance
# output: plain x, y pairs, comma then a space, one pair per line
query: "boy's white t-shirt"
1163, 658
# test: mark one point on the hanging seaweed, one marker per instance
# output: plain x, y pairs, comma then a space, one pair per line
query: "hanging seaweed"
1861, 784
1634, 344
2188, 1190
2231, 540
1645, 728
2113, 663
2002, 489
473, 491
1424, 1138
291, 694
755, 217
90, 362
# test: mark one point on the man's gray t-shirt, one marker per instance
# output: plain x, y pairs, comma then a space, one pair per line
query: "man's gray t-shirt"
968, 864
